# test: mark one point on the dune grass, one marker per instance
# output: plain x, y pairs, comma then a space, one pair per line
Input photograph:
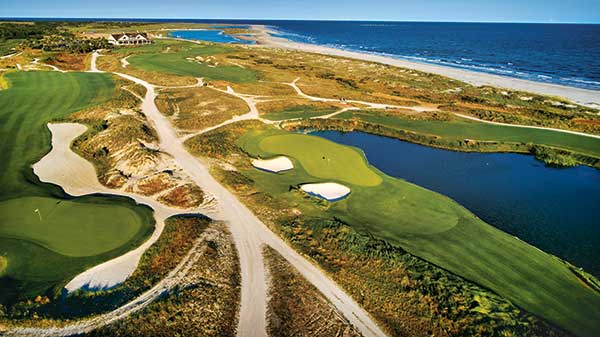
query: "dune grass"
299, 111
460, 129
436, 229
74, 233
176, 62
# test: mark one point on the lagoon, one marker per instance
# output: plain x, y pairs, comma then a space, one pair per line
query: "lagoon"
207, 35
555, 209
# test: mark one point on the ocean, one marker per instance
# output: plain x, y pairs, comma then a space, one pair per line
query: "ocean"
567, 54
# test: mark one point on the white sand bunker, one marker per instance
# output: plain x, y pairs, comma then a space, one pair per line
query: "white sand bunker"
327, 191
275, 165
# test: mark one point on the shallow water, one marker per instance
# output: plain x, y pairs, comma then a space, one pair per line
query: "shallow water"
555, 209
207, 35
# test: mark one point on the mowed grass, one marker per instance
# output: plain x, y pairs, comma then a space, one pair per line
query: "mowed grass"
460, 129
67, 227
438, 230
326, 161
73, 233
176, 62
299, 111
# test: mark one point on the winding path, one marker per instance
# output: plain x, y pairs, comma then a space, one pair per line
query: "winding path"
370, 105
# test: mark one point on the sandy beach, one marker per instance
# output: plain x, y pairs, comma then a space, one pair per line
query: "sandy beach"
590, 98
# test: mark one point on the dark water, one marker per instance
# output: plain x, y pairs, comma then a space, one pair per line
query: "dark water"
567, 54
555, 209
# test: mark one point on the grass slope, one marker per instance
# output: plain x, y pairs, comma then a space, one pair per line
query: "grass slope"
176, 63
299, 111
75, 233
460, 129
439, 230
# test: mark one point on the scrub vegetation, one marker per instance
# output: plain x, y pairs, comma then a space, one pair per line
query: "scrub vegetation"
198, 108
46, 236
296, 307
205, 303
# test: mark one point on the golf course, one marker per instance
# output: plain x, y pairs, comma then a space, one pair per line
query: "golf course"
428, 225
178, 58
46, 236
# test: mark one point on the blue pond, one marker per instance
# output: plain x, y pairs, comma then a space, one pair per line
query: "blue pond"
555, 209
207, 35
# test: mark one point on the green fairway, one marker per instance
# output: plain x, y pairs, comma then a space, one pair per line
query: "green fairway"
299, 111
177, 62
66, 235
432, 227
461, 129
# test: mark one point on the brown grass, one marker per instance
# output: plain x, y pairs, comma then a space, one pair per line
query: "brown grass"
296, 307
206, 304
68, 61
198, 108
183, 196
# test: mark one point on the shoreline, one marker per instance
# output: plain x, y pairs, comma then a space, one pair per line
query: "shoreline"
585, 97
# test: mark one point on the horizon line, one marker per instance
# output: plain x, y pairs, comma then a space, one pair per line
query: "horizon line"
124, 19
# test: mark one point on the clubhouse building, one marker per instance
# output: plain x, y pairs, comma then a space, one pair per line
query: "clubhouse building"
125, 39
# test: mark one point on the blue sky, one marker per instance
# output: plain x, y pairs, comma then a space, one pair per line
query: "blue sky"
580, 11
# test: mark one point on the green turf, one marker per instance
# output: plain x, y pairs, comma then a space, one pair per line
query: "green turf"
74, 233
175, 62
66, 227
326, 161
439, 230
299, 111
461, 129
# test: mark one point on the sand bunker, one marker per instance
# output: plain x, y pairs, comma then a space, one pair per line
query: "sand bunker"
77, 176
275, 165
327, 191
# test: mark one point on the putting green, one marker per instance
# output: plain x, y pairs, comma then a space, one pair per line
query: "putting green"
67, 227
431, 226
179, 62
322, 158
74, 233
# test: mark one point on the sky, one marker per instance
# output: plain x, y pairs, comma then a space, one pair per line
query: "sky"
575, 11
